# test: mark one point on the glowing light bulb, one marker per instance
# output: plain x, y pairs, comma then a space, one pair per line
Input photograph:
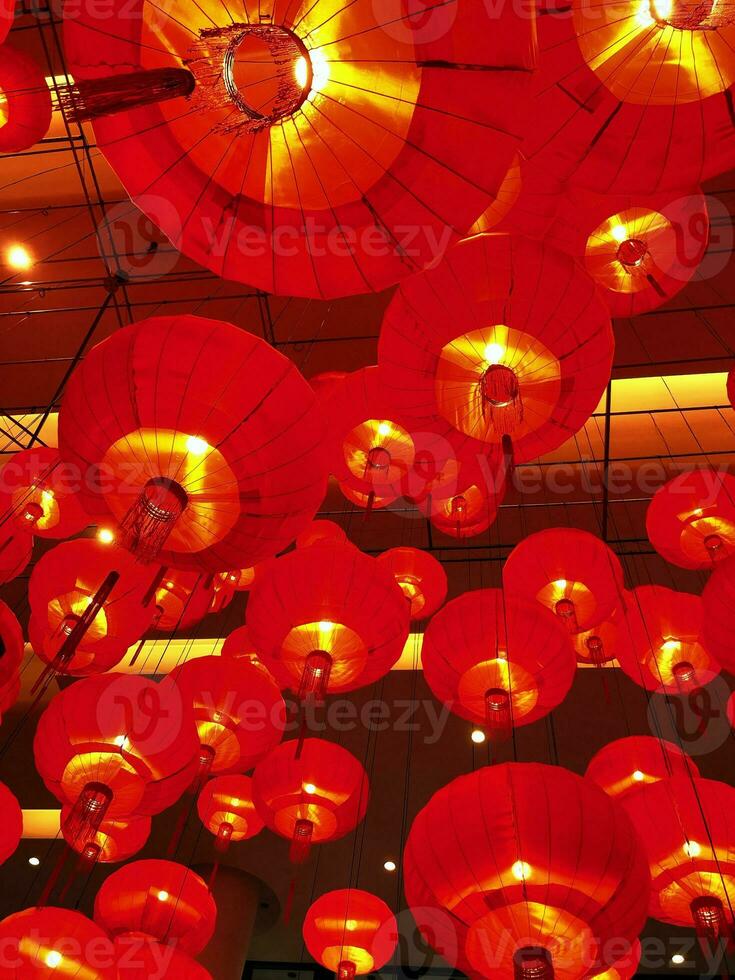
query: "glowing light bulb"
121, 741
384, 429
670, 646
309, 788
162, 896
390, 865
692, 849
301, 72
493, 353
105, 535
561, 584
325, 626
521, 871
196, 446
477, 736
638, 776
169, 585
619, 233
319, 70
351, 925
53, 958
18, 257
47, 496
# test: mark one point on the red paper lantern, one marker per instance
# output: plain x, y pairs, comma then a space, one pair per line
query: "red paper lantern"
113, 841
321, 532
463, 501
38, 494
116, 745
89, 603
350, 932
358, 136
628, 764
571, 572
691, 519
686, 827
163, 900
322, 382
327, 618
600, 644
718, 603
182, 599
239, 646
7, 11
11, 823
49, 943
421, 577
311, 798
227, 810
503, 342
11, 644
526, 870
27, 103
211, 457
239, 711
498, 660
667, 649
139, 958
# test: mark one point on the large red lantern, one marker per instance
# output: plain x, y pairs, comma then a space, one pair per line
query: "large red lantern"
348, 171
421, 577
140, 958
571, 572
498, 660
463, 501
115, 745
667, 649
50, 943
163, 900
310, 797
239, 711
718, 603
226, 808
503, 342
26, 104
38, 493
11, 823
113, 841
628, 764
527, 870
327, 618
350, 932
686, 827
211, 456
89, 603
7, 10
691, 519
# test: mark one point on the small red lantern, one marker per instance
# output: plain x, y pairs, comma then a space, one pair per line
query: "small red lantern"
227, 810
27, 101
628, 764
691, 519
160, 899
599, 645
498, 660
350, 932
573, 573
667, 649
182, 599
239, 712
463, 501
327, 618
140, 958
11, 823
421, 577
310, 798
39, 494
49, 943
113, 841
718, 603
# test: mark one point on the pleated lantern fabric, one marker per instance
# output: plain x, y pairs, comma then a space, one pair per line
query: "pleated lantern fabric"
463, 500
319, 155
27, 105
311, 798
691, 518
38, 492
600, 644
350, 932
7, 10
630, 99
113, 841
497, 660
163, 900
628, 764
667, 649
207, 442
89, 603
183, 598
571, 572
504, 341
718, 603
226, 808
421, 578
116, 745
11, 823
50, 943
138, 958
526, 870
239, 646
686, 827
327, 618
321, 531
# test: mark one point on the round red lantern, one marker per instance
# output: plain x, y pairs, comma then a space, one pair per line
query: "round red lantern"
211, 458
163, 900
571, 572
628, 764
111, 842
667, 649
49, 943
140, 958
513, 894
421, 577
183, 598
239, 711
89, 603
503, 342
114, 745
38, 493
718, 602
350, 932
227, 810
11, 643
26, 104
691, 519
599, 645
327, 618
498, 660
686, 827
11, 823
310, 798
463, 501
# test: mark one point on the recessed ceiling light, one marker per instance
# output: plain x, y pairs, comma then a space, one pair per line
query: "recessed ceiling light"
18, 257
390, 865
677, 959
477, 736
34, 861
